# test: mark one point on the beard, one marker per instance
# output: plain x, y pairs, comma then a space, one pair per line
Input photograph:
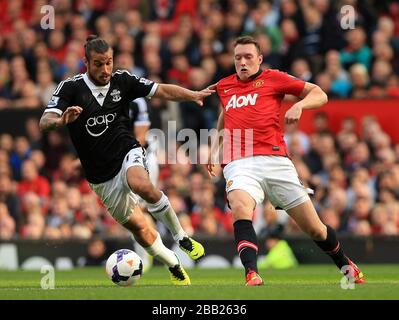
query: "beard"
98, 81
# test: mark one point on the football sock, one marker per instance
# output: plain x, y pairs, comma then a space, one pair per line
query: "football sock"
246, 243
332, 247
161, 253
163, 211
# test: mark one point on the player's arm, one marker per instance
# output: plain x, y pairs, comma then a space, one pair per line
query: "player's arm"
312, 97
217, 143
52, 120
142, 87
59, 110
177, 93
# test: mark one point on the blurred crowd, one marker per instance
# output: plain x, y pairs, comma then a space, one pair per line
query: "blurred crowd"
43, 192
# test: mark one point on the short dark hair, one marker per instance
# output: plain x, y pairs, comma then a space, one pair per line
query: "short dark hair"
248, 40
96, 44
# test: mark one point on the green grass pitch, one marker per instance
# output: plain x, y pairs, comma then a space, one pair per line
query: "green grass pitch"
305, 282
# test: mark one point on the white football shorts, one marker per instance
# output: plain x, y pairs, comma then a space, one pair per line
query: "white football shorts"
152, 162
116, 194
273, 176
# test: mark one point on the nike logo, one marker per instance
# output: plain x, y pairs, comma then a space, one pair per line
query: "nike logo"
227, 90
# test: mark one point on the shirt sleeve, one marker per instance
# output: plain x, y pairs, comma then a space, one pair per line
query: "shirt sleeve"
287, 84
61, 98
137, 87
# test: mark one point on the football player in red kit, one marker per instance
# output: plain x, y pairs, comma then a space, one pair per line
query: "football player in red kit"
255, 156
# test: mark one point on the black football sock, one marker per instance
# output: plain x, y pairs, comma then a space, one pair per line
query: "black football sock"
332, 247
246, 243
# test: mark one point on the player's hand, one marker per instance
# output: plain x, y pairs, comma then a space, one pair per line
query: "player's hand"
71, 114
212, 161
213, 86
293, 114
201, 95
210, 167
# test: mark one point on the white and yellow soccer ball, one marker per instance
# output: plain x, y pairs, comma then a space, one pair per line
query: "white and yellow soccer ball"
124, 267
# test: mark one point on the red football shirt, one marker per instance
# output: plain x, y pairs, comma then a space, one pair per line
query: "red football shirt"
251, 113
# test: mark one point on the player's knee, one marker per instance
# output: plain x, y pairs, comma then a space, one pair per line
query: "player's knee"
144, 189
240, 207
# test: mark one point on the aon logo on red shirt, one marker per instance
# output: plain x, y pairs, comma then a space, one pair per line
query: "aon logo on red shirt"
241, 101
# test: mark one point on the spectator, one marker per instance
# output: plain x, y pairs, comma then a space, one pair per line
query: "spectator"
7, 223
193, 117
59, 212
21, 153
279, 254
300, 68
330, 217
312, 42
51, 233
362, 229
68, 170
357, 50
54, 148
6, 143
125, 61
270, 57
341, 84
291, 46
360, 81
35, 226
45, 86
57, 46
32, 182
96, 253
379, 218
44, 62
324, 81
8, 197
336, 200
361, 212
5, 83
81, 231
208, 219
33, 133
381, 72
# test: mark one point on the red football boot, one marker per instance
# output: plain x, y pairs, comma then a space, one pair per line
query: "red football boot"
253, 279
359, 275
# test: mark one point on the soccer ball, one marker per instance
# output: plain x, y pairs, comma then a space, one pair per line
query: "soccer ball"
124, 267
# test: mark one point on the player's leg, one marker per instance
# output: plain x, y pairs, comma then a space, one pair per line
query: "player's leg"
244, 191
122, 204
286, 191
242, 207
324, 236
160, 208
151, 241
